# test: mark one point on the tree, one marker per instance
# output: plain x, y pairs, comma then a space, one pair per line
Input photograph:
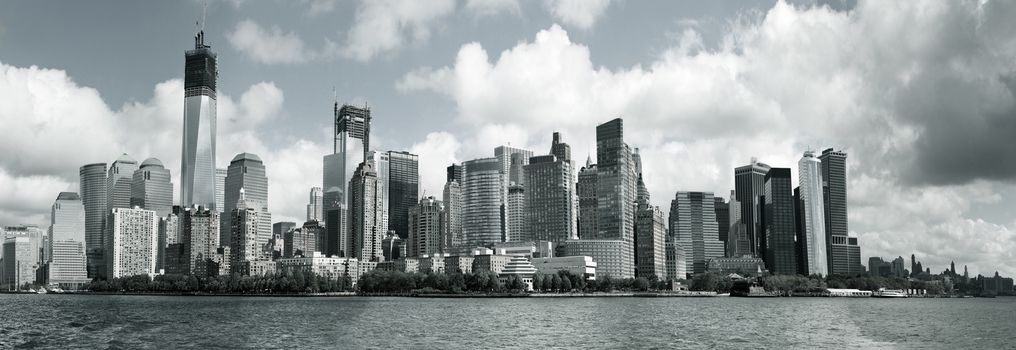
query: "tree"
566, 285
538, 281
641, 284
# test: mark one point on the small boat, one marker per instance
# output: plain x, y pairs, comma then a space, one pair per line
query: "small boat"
889, 293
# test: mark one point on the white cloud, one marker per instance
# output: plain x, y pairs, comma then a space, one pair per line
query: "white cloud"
437, 151
780, 83
268, 45
385, 26
582, 14
482, 8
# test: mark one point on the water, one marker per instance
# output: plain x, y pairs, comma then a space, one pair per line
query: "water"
161, 322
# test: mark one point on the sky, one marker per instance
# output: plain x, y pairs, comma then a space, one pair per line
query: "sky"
921, 95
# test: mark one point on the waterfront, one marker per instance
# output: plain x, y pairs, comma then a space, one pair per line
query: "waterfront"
110, 321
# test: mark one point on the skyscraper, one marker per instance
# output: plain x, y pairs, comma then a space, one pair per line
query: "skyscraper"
585, 190
748, 182
650, 234
615, 194
93, 197
426, 220
365, 211
550, 196
382, 166
200, 240
20, 261
722, 209
67, 241
245, 172
504, 155
132, 245
516, 228
220, 188
197, 163
118, 182
482, 211
778, 223
315, 204
151, 188
403, 190
350, 124
844, 252
693, 226
812, 233
248, 239
452, 198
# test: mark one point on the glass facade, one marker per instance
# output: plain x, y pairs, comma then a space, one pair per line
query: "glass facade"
482, 212
779, 224
197, 164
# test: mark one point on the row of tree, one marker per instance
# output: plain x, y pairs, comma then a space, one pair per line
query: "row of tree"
281, 283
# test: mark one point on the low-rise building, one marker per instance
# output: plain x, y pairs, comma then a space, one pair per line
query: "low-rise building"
577, 265
432, 264
743, 265
518, 266
458, 264
490, 262
328, 267
608, 254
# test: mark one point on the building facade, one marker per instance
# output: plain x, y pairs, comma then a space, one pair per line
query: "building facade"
152, 188
246, 174
779, 223
615, 195
811, 233
748, 183
132, 247
650, 243
550, 197
67, 263
403, 190
365, 212
315, 205
693, 226
199, 239
585, 190
482, 212
351, 131
452, 198
93, 196
426, 222
844, 253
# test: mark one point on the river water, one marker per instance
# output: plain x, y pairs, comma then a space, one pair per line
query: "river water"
167, 322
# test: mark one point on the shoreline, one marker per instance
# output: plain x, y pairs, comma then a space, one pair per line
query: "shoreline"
470, 295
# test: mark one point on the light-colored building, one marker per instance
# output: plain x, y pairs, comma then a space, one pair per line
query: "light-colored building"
67, 263
366, 207
483, 198
20, 261
300, 242
677, 261
133, 246
516, 228
408, 265
433, 264
512, 161
742, 265
351, 134
426, 222
220, 188
609, 255
315, 205
197, 163
578, 265
518, 266
246, 174
248, 239
693, 225
452, 198
152, 188
329, 267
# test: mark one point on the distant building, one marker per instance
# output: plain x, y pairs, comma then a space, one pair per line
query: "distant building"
693, 226
812, 231
650, 233
197, 163
300, 242
578, 265
220, 188
742, 266
844, 252
392, 247
152, 188
482, 212
748, 183
615, 193
403, 190
677, 260
132, 247
246, 173
493, 263
248, 239
585, 189
550, 209
722, 210
458, 264
432, 264
426, 221
327, 267
453, 200
351, 131
20, 261
518, 267
365, 213
516, 228
67, 264
315, 205
607, 253
779, 227
200, 240
93, 197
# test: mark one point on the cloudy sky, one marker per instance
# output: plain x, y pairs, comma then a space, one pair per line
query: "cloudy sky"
921, 94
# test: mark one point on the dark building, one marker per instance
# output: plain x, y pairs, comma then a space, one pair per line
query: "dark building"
585, 189
779, 224
403, 190
844, 253
722, 210
456, 172
748, 183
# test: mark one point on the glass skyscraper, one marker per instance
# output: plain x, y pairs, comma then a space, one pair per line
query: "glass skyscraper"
778, 223
693, 226
350, 124
403, 190
844, 253
748, 182
482, 211
550, 196
152, 188
93, 196
197, 163
247, 172
812, 231
67, 264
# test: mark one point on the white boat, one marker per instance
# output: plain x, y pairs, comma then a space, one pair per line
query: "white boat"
889, 293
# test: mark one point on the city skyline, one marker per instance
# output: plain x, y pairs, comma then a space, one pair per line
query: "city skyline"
944, 203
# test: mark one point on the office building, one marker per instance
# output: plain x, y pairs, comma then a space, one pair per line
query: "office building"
779, 223
585, 190
744, 266
615, 195
197, 163
93, 196
299, 242
132, 245
577, 265
844, 253
609, 255
452, 198
482, 211
315, 205
426, 221
504, 155
490, 262
550, 196
722, 209
365, 212
516, 228
327, 267
676, 260
812, 231
67, 264
392, 247
351, 132
220, 188
248, 239
152, 188
748, 183
199, 237
403, 180
20, 261
246, 173
458, 264
693, 226
650, 243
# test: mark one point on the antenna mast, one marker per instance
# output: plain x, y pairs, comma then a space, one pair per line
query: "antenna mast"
204, 14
